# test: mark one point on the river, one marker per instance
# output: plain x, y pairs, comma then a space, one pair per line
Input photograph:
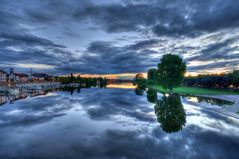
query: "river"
114, 122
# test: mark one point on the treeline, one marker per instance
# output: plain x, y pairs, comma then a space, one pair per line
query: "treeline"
84, 81
170, 73
218, 81
222, 81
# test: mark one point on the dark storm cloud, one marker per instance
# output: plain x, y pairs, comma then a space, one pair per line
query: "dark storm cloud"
219, 50
163, 17
167, 18
104, 57
145, 44
21, 39
20, 23
30, 49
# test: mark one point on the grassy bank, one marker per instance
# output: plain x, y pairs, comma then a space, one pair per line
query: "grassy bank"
193, 91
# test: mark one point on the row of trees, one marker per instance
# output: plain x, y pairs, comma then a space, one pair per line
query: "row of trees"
170, 73
83, 81
223, 81
169, 109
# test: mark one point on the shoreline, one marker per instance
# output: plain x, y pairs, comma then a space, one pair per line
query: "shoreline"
231, 111
193, 91
233, 98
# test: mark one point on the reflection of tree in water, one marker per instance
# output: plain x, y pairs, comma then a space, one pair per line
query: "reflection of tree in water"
68, 89
78, 89
214, 101
73, 89
170, 113
151, 96
139, 90
169, 110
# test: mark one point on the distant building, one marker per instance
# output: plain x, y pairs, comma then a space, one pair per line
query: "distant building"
17, 77
14, 77
11, 76
20, 77
40, 76
3, 76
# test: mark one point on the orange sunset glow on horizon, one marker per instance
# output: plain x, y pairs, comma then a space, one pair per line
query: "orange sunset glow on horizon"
132, 75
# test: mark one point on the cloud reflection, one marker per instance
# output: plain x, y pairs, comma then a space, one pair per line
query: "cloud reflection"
110, 123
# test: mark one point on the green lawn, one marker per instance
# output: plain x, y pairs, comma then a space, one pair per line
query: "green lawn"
193, 91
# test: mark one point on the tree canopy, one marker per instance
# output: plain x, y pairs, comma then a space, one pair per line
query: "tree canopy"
139, 80
152, 74
171, 70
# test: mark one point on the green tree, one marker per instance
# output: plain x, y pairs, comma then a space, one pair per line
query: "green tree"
152, 74
234, 76
139, 80
72, 78
171, 70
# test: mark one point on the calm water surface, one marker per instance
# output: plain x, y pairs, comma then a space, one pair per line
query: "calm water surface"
114, 123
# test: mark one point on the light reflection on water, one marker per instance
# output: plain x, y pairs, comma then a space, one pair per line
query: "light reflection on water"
121, 86
110, 123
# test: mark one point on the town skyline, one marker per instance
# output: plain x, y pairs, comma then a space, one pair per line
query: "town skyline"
109, 76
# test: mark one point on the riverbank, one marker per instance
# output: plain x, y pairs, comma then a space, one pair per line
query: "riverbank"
233, 98
231, 110
193, 91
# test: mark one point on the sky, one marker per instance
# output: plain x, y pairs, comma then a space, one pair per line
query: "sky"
118, 36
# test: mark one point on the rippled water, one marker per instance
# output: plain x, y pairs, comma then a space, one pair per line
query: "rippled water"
112, 123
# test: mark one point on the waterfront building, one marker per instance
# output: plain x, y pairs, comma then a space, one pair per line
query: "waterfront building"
3, 76
40, 76
20, 77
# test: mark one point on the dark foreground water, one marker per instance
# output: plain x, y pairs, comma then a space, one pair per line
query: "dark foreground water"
114, 123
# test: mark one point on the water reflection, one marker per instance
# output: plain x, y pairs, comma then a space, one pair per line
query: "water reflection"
11, 98
212, 101
3, 100
168, 110
170, 113
152, 96
70, 89
123, 85
110, 123
139, 91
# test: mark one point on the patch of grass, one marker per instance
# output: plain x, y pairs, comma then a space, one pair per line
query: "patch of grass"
193, 91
